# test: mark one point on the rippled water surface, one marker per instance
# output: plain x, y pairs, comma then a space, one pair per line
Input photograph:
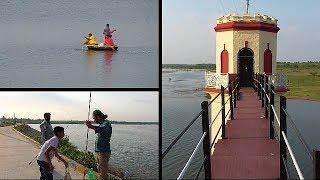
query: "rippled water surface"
41, 43
182, 95
134, 147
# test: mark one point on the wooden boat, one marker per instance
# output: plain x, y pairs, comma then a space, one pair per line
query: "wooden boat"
101, 48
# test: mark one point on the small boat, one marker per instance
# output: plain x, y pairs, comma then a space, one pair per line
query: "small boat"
102, 48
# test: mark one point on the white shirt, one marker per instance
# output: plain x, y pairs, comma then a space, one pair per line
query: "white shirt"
53, 142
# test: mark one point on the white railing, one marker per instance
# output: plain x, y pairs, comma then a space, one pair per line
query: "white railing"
216, 80
279, 80
184, 170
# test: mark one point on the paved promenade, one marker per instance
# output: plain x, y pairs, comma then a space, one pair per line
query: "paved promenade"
16, 151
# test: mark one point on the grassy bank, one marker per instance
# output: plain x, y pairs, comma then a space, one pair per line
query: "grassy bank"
7, 123
69, 150
303, 77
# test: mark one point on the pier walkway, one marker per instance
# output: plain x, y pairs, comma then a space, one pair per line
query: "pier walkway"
16, 151
248, 152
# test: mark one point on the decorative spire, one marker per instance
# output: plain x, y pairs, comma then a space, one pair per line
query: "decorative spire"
247, 7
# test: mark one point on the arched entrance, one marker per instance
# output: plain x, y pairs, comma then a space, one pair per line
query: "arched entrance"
245, 67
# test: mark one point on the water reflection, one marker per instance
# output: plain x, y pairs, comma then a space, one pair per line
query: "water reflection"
91, 55
108, 56
108, 60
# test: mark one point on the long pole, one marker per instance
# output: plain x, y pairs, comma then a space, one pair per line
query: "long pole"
88, 120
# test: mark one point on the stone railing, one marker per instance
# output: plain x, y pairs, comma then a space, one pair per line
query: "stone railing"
247, 18
216, 80
279, 80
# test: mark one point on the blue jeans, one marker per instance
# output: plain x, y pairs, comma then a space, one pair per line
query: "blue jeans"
45, 170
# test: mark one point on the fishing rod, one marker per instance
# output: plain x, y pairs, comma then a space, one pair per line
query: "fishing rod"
88, 120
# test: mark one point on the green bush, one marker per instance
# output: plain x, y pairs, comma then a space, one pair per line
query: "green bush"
7, 123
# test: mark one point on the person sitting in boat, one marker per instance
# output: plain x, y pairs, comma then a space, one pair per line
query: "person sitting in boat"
91, 40
107, 31
108, 41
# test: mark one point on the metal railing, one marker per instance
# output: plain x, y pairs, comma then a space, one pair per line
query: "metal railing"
266, 93
233, 90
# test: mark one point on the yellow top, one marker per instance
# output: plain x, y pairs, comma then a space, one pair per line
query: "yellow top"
91, 40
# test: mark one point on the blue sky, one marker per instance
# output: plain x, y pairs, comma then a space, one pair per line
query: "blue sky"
188, 35
120, 106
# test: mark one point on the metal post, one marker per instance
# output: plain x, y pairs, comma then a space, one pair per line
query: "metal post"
255, 82
266, 102
283, 128
235, 95
262, 92
238, 91
231, 101
206, 141
223, 114
316, 159
259, 87
271, 112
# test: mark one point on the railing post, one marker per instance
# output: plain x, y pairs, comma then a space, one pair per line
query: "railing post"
283, 128
271, 112
206, 141
259, 87
255, 82
316, 160
238, 91
266, 102
223, 114
262, 92
235, 94
231, 101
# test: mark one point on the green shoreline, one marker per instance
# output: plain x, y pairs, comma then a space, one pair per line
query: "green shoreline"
38, 121
303, 77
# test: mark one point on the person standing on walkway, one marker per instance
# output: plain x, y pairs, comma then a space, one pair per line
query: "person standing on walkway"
107, 31
102, 146
48, 150
46, 128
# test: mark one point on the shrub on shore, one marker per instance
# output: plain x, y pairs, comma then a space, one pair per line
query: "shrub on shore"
7, 123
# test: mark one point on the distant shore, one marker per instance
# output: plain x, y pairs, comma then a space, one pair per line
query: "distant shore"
303, 77
38, 121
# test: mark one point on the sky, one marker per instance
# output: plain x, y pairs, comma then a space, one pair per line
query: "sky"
188, 36
120, 106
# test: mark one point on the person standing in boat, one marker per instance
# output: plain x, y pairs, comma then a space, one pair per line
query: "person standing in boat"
102, 145
46, 128
90, 40
107, 31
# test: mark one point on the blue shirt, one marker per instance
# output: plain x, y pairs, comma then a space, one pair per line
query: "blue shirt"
104, 131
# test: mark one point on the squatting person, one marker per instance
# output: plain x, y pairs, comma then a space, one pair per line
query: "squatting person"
48, 150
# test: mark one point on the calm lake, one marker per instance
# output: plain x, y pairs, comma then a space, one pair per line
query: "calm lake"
182, 95
41, 43
134, 147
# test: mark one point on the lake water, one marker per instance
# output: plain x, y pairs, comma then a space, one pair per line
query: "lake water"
134, 147
182, 95
41, 43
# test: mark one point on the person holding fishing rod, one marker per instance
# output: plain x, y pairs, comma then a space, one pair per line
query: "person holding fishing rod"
102, 145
